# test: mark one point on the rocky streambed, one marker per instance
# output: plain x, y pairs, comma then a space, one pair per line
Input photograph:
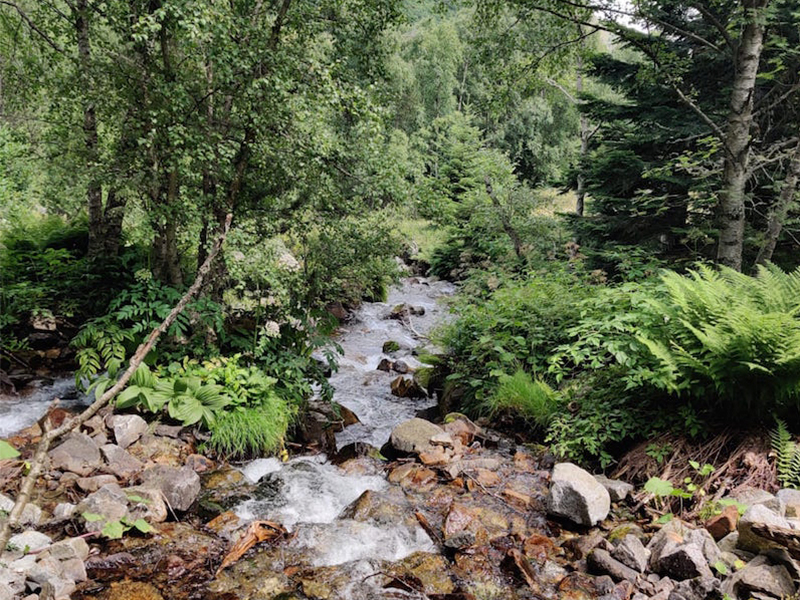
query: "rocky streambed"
458, 512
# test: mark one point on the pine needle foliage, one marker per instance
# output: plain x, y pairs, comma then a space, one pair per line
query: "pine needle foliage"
732, 341
787, 455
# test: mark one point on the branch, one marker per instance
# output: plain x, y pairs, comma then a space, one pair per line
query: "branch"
50, 435
50, 42
560, 87
703, 116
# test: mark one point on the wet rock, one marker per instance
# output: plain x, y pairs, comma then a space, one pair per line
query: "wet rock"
407, 387
78, 454
92, 484
31, 514
462, 528
385, 365
390, 346
179, 486
760, 577
402, 367
129, 590
127, 428
199, 463
120, 462
157, 449
579, 547
791, 500
539, 548
431, 570
29, 541
222, 489
758, 514
632, 553
601, 562
376, 506
413, 436
617, 490
722, 524
576, 495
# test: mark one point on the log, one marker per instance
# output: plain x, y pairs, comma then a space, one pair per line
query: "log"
788, 538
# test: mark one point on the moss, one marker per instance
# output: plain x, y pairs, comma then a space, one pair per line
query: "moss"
390, 346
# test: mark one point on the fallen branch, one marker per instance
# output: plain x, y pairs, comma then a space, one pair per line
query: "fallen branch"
50, 435
788, 538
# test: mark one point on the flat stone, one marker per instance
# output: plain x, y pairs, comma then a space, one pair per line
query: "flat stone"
78, 454
179, 486
617, 490
127, 428
30, 541
120, 462
632, 553
69, 548
413, 436
576, 495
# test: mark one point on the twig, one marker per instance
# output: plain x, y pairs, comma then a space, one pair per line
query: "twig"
50, 435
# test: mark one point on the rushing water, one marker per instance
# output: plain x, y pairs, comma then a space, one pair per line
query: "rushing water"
307, 494
18, 412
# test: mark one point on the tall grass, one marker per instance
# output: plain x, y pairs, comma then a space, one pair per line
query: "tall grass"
249, 432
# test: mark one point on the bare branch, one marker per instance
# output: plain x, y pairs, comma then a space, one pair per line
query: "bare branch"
24, 16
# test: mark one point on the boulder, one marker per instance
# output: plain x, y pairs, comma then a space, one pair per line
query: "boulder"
413, 436
385, 365
632, 553
576, 495
120, 462
758, 514
78, 454
617, 490
127, 428
685, 561
676, 534
760, 577
179, 486
700, 588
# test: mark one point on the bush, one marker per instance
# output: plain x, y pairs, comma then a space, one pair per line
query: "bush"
247, 432
731, 342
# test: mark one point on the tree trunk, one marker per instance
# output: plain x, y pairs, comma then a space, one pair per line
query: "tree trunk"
730, 211
777, 215
581, 189
113, 215
94, 192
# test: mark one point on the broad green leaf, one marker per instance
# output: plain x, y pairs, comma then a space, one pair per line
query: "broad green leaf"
7, 450
113, 530
658, 486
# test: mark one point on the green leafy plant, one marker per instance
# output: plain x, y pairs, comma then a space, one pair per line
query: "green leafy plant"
116, 528
787, 455
7, 451
532, 399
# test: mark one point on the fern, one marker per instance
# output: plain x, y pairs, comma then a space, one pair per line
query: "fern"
787, 455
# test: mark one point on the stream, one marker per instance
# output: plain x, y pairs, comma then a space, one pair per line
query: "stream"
308, 494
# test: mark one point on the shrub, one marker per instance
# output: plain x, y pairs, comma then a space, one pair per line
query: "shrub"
731, 342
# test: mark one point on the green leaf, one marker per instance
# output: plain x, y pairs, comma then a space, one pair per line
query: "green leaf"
665, 518
92, 517
721, 568
658, 487
7, 450
113, 530
142, 525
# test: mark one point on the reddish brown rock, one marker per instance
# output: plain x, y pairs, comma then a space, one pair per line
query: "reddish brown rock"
724, 523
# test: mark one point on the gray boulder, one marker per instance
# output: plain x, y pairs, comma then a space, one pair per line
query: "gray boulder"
180, 486
413, 436
758, 514
110, 502
685, 561
30, 541
701, 588
78, 454
632, 553
576, 495
127, 428
617, 490
760, 577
